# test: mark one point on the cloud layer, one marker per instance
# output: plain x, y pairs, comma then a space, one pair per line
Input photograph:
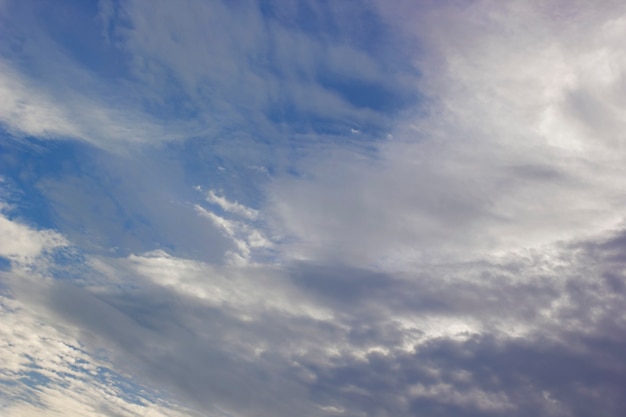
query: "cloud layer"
309, 208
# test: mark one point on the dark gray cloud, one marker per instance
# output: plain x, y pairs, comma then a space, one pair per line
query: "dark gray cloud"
255, 359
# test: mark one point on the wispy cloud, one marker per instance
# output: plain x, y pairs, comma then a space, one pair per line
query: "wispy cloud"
506, 158
232, 207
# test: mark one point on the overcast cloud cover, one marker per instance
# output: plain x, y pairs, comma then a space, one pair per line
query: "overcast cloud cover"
312, 208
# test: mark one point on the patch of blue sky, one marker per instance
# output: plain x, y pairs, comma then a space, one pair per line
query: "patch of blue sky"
34, 378
67, 256
229, 105
24, 163
126, 388
42, 177
5, 265
236, 165
388, 100
8, 383
34, 171
84, 196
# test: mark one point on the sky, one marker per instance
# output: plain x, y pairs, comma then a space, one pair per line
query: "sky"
277, 208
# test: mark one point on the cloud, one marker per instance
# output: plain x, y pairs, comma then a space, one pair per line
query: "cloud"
29, 112
532, 332
144, 75
58, 109
293, 82
44, 367
45, 372
232, 207
471, 266
53, 91
508, 154
244, 229
22, 243
529, 333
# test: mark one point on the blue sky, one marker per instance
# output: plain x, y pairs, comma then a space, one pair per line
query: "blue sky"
279, 208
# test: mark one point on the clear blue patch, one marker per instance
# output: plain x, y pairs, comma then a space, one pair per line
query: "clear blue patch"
34, 379
24, 162
5, 264
367, 94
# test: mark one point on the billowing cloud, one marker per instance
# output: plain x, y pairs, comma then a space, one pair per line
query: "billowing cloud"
533, 333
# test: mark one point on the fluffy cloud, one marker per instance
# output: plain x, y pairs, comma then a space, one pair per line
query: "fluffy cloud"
21, 243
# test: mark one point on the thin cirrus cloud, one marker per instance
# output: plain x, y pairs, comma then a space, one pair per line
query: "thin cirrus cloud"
302, 208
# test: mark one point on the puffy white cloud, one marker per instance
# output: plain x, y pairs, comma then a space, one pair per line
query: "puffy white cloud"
23, 244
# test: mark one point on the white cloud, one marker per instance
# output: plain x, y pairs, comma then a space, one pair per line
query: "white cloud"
25, 110
44, 367
23, 244
51, 111
75, 383
522, 145
472, 398
232, 207
244, 236
282, 64
248, 290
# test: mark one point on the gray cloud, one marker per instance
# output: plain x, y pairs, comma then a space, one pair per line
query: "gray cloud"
548, 340
511, 154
